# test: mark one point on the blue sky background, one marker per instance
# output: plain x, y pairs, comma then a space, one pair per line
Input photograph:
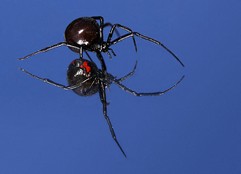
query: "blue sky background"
193, 129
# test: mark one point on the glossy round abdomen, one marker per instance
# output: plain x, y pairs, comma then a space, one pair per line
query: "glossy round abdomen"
83, 73
82, 32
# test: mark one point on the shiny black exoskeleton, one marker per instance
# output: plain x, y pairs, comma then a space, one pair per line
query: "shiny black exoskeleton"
86, 34
83, 72
86, 79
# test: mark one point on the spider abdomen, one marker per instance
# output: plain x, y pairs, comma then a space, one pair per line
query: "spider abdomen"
83, 73
84, 32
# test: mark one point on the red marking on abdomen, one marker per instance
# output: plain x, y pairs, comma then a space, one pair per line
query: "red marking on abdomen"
86, 66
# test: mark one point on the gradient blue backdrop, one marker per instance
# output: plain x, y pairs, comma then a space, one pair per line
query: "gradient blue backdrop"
194, 129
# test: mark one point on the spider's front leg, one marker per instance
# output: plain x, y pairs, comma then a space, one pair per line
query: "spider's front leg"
46, 80
120, 38
132, 34
102, 61
48, 49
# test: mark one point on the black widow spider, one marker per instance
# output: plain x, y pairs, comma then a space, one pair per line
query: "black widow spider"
86, 34
85, 79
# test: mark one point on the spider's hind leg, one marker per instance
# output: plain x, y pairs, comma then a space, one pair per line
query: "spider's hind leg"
128, 75
138, 94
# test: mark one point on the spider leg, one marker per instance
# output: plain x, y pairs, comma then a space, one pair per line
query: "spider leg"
48, 49
88, 56
91, 85
132, 33
128, 75
45, 80
124, 28
104, 103
101, 19
81, 52
109, 54
158, 43
138, 94
102, 26
108, 24
112, 51
101, 59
